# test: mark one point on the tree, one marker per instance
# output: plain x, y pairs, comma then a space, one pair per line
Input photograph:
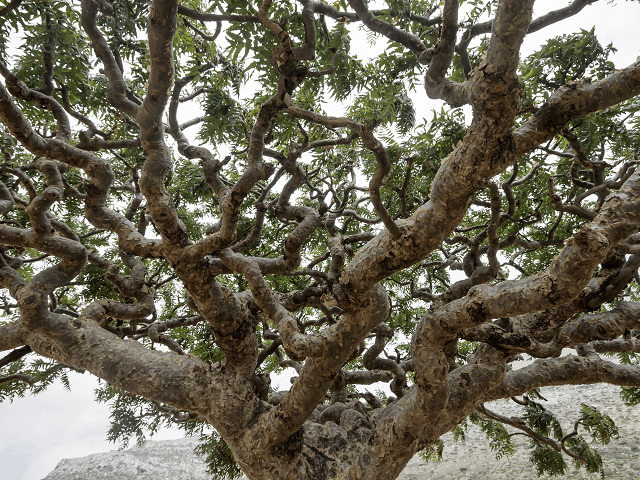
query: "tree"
320, 243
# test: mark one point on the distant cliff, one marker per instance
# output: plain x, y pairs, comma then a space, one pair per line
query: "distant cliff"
169, 459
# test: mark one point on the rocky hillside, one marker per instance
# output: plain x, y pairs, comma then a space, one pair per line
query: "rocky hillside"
169, 459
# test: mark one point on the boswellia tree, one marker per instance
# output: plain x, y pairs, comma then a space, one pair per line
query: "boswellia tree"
182, 271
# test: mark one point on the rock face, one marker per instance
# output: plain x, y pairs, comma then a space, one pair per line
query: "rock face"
474, 460
169, 459
175, 460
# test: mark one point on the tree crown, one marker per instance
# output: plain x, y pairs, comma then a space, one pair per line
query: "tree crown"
318, 220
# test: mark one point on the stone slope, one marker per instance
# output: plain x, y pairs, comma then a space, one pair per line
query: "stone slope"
169, 459
473, 460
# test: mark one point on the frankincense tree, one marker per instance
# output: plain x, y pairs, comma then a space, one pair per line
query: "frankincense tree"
184, 270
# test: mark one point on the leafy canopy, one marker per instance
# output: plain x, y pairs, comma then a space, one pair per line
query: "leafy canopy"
227, 74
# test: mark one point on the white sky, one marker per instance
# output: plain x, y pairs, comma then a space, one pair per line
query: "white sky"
37, 432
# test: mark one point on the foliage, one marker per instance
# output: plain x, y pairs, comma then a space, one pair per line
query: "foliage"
433, 452
500, 440
547, 460
542, 421
218, 457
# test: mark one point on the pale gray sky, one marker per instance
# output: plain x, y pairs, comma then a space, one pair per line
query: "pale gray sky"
37, 432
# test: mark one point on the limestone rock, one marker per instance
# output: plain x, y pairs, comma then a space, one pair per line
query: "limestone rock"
169, 459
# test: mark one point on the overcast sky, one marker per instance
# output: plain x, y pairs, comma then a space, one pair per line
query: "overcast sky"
37, 432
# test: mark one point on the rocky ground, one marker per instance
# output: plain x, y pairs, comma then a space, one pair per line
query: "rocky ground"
475, 460
472, 460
